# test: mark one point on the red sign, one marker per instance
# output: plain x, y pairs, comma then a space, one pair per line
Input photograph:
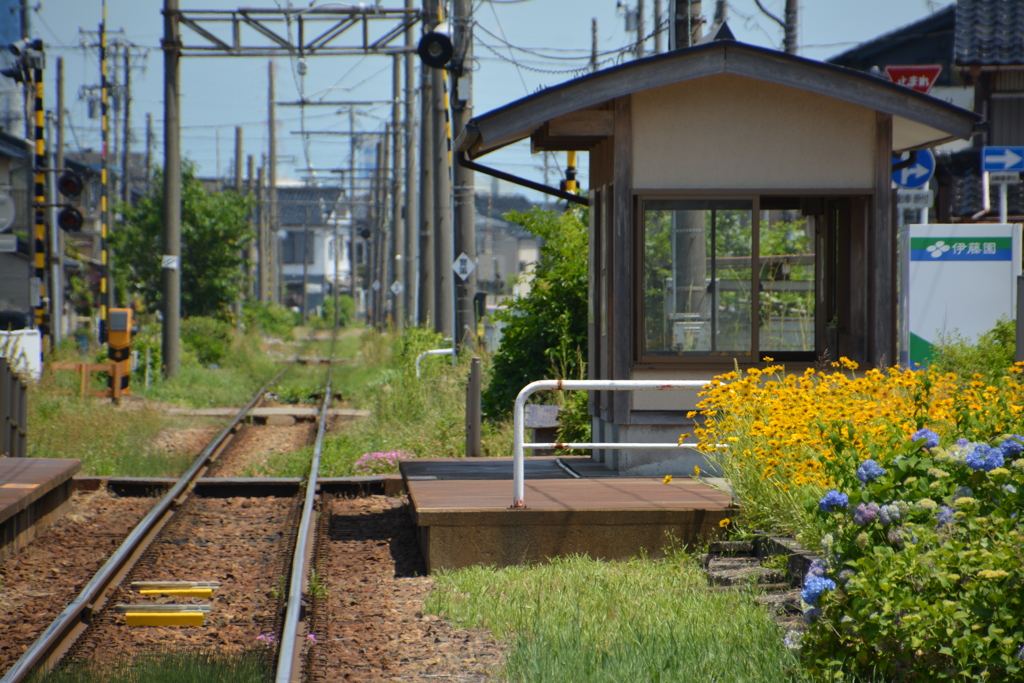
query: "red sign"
919, 77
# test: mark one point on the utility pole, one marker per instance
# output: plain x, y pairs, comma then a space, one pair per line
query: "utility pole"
375, 236
384, 233
57, 286
397, 245
352, 148
410, 255
464, 181
250, 266
262, 276
271, 243
658, 34
126, 184
149, 152
685, 23
427, 308
640, 21
238, 189
790, 45
443, 255
593, 44
172, 192
721, 11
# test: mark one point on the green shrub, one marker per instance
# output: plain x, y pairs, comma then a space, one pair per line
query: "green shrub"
270, 318
209, 338
989, 356
929, 583
545, 332
346, 312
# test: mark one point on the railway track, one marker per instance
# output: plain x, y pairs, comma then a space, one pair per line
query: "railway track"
251, 552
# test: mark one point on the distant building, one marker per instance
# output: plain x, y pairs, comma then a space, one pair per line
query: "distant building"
309, 218
506, 252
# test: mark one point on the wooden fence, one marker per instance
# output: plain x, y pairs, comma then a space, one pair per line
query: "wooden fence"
13, 412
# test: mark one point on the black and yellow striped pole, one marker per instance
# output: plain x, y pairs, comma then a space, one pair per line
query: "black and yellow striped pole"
105, 193
40, 232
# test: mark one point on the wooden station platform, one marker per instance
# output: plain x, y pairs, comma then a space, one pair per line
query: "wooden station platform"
34, 493
464, 520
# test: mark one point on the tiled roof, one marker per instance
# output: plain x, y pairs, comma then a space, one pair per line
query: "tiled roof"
302, 206
966, 196
989, 32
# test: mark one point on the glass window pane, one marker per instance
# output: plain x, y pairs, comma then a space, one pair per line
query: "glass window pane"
787, 282
697, 275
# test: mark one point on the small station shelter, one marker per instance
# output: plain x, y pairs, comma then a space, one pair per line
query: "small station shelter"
741, 208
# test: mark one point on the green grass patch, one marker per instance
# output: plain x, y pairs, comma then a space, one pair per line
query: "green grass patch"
173, 667
578, 619
423, 417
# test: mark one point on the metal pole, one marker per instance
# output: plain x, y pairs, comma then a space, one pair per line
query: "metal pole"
238, 189
353, 147
149, 152
272, 215
250, 266
397, 246
172, 193
383, 251
465, 191
410, 248
640, 21
1003, 210
473, 449
262, 241
593, 44
792, 8
659, 41
56, 290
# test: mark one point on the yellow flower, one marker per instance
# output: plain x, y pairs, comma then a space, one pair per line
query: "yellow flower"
992, 574
667, 479
768, 359
696, 471
733, 439
725, 522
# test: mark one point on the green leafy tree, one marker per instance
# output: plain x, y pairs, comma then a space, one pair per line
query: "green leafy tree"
215, 232
545, 332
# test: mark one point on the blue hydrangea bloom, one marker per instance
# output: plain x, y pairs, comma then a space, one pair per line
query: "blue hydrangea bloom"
961, 442
994, 459
1012, 446
975, 459
833, 500
1010, 488
814, 587
865, 514
887, 514
944, 516
818, 567
869, 470
931, 438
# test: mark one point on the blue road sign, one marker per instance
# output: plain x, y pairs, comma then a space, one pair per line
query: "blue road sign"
1002, 158
917, 174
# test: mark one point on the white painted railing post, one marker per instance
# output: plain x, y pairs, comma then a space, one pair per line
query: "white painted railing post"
518, 437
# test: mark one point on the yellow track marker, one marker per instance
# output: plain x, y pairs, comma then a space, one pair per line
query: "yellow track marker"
180, 592
165, 618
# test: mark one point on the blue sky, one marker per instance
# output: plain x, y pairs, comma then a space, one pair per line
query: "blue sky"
219, 93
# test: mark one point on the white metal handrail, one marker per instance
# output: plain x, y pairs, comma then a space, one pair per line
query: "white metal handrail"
432, 352
518, 487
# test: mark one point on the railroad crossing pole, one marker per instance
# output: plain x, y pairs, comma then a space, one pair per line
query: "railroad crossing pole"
172, 193
464, 195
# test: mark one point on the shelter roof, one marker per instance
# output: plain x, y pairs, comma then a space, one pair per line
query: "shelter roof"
306, 206
919, 120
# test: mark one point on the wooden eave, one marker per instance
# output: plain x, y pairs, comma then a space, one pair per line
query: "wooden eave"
919, 120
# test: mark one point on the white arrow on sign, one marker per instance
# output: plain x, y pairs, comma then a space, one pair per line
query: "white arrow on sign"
463, 266
911, 172
397, 288
1008, 158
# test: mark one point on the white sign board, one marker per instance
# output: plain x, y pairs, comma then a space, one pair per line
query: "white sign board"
8, 243
999, 177
914, 199
24, 351
963, 278
463, 266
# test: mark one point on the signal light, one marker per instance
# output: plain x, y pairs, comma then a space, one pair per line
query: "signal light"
15, 72
364, 232
435, 48
70, 184
70, 219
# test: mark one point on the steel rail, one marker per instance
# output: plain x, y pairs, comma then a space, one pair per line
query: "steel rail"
289, 634
88, 601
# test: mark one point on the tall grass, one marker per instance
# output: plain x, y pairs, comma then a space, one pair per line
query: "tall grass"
423, 416
578, 619
169, 667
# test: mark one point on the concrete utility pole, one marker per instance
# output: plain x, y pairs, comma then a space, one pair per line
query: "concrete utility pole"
593, 44
272, 223
465, 191
353, 146
685, 26
384, 232
149, 152
397, 246
238, 159
721, 11
427, 307
640, 21
659, 42
262, 276
126, 173
410, 247
57, 322
443, 255
250, 266
790, 45
172, 193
